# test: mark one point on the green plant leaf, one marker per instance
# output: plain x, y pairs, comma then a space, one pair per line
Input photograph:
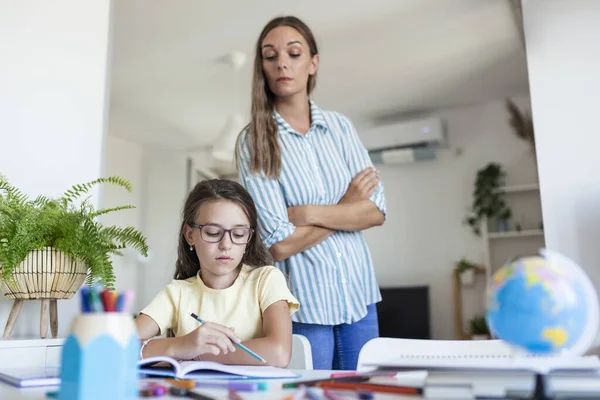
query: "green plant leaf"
26, 225
478, 326
488, 199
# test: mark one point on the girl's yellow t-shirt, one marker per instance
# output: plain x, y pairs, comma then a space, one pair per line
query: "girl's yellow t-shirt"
239, 306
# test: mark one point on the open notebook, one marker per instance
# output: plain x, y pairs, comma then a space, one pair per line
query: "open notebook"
535, 364
200, 370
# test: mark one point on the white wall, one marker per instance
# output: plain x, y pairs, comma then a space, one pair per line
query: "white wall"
427, 201
563, 58
124, 159
164, 182
53, 69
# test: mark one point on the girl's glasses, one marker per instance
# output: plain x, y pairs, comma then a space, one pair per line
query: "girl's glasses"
214, 234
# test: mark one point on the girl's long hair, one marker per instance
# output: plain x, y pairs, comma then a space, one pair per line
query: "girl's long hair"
256, 254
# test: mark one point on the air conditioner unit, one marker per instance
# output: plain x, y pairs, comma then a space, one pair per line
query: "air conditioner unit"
403, 142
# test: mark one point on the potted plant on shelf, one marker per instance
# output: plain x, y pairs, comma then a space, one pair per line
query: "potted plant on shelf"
478, 328
50, 247
488, 199
466, 270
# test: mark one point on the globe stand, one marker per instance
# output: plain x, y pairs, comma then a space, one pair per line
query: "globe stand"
540, 388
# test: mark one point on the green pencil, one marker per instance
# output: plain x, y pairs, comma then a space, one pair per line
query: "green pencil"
241, 346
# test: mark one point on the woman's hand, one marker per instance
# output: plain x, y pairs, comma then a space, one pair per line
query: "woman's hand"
362, 186
299, 215
208, 338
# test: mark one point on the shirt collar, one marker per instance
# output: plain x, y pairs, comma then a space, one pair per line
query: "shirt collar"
316, 115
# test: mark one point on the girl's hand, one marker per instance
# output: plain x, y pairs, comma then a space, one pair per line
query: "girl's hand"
208, 338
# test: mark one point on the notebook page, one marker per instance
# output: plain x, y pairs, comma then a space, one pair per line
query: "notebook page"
187, 367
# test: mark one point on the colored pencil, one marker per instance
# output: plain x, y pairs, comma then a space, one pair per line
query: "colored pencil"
230, 385
241, 346
300, 394
371, 387
96, 299
315, 382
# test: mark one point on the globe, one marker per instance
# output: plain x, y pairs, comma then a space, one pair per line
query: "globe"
543, 304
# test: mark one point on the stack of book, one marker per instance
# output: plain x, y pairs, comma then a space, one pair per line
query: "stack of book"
515, 376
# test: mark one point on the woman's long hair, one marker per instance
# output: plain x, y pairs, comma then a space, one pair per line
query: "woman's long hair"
265, 154
256, 254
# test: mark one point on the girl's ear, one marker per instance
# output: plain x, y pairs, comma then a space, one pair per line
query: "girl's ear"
188, 234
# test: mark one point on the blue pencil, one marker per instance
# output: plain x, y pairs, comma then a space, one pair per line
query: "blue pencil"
85, 305
241, 346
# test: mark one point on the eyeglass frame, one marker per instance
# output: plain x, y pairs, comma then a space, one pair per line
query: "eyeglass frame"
199, 226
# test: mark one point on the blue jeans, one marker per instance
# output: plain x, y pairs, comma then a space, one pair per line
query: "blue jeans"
337, 346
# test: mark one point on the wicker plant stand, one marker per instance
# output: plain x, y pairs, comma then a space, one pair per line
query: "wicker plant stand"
47, 275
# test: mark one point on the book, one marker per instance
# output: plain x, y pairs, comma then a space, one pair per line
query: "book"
536, 364
201, 370
31, 377
497, 376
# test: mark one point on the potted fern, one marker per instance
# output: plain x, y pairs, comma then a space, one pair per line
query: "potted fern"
50, 247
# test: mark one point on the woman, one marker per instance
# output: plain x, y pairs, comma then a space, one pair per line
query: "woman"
316, 190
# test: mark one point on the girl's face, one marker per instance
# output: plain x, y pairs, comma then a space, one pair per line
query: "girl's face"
286, 61
220, 252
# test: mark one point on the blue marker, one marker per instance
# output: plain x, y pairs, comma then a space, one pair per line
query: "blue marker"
85, 306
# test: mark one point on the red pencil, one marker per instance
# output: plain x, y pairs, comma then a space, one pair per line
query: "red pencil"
370, 387
343, 374
105, 300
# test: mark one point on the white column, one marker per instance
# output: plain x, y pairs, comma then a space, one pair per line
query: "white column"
563, 55
53, 99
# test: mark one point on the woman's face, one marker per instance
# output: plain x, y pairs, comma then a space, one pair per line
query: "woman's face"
287, 62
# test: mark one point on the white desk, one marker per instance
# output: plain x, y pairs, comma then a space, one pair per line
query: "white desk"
275, 391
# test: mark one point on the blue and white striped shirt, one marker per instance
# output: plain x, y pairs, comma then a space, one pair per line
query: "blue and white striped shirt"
334, 280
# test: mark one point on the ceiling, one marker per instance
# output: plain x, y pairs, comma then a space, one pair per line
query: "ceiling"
379, 59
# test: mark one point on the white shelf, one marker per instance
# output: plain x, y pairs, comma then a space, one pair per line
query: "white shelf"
33, 341
515, 234
530, 187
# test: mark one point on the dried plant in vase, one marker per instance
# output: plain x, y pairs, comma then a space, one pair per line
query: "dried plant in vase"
521, 123
50, 247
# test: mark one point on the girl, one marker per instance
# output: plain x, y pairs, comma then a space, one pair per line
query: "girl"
223, 276
315, 190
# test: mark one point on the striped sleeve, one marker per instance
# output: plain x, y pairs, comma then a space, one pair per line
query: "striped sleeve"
273, 221
357, 158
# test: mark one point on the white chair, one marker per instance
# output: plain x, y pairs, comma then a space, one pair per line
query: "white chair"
301, 353
383, 349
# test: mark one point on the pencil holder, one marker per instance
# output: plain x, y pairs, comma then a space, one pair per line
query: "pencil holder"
99, 358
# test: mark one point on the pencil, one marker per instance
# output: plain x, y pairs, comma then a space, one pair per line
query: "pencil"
332, 395
300, 394
316, 382
183, 392
370, 387
241, 346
